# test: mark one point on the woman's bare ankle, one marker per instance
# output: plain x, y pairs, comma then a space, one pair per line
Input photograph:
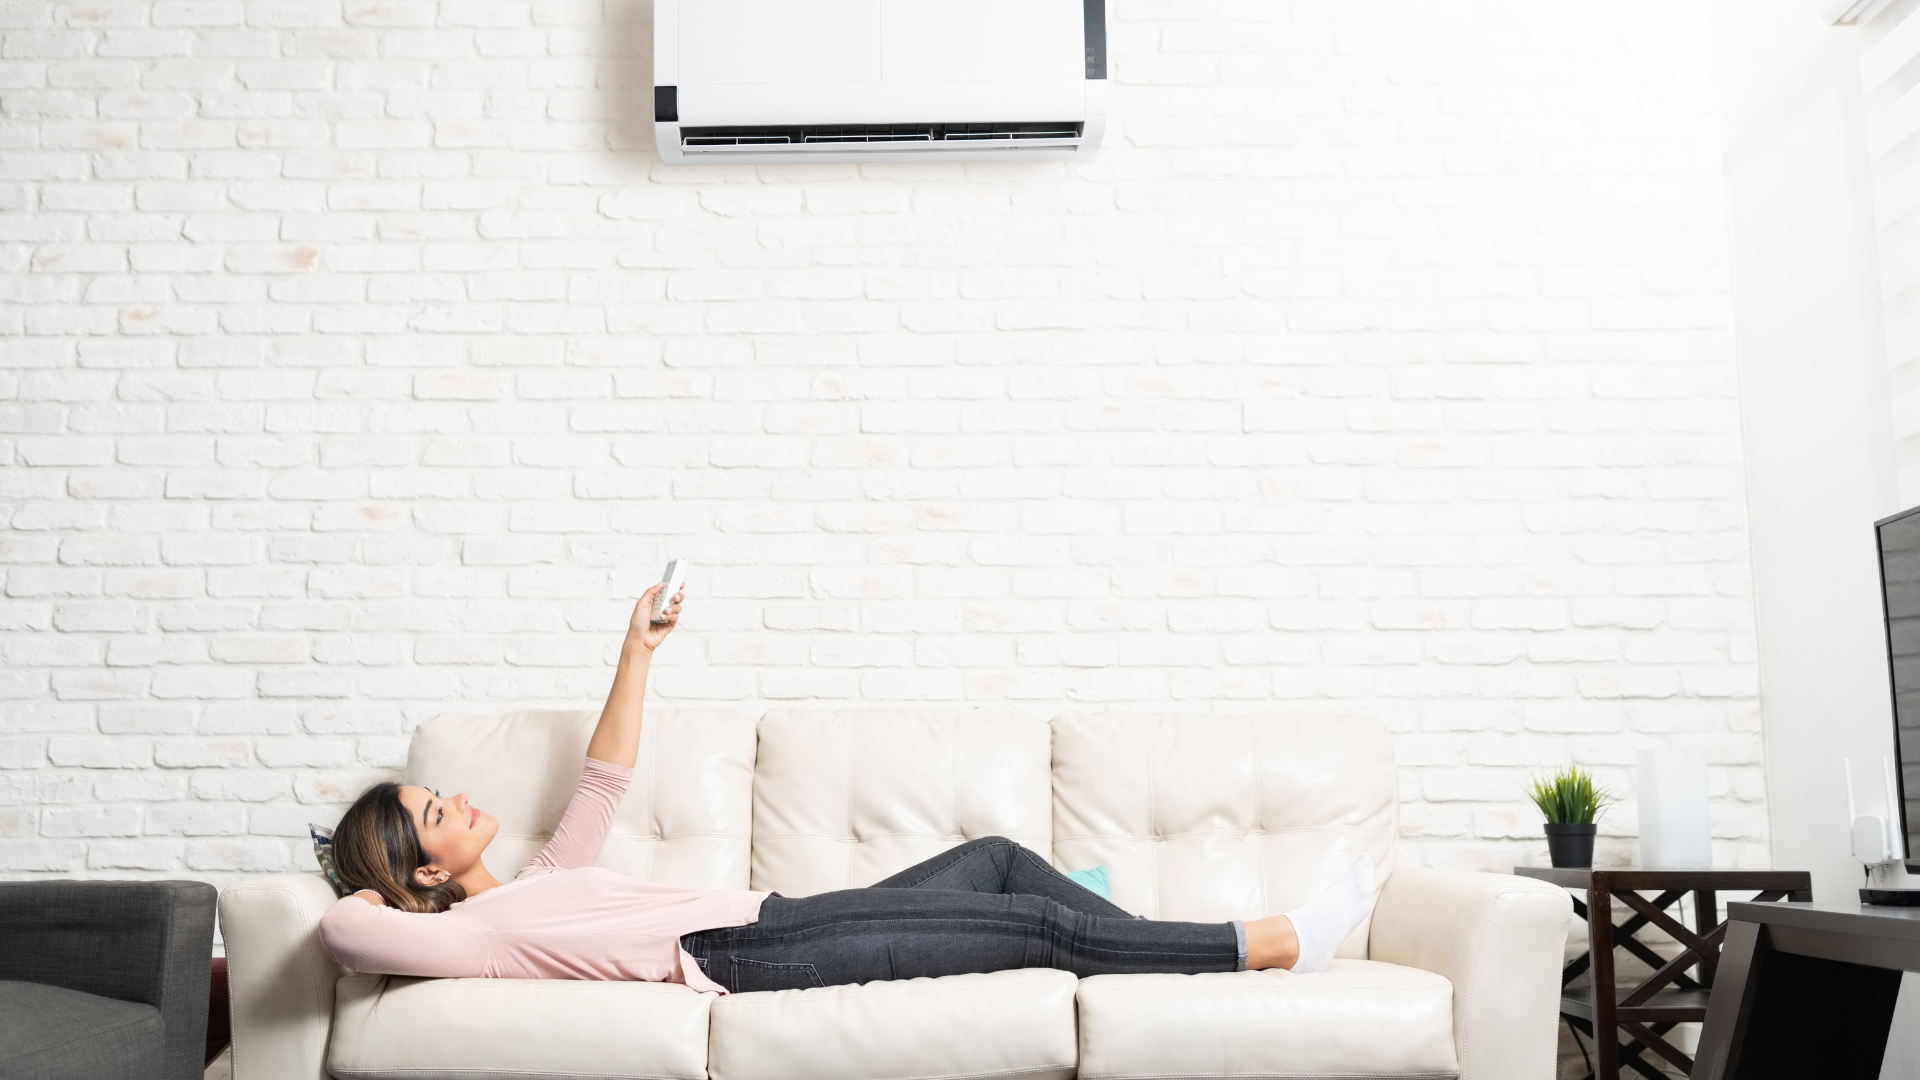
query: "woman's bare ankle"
1271, 943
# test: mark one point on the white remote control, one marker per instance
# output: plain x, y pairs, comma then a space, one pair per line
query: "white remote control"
675, 576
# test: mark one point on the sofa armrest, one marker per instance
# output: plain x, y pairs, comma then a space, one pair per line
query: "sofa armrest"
279, 977
1500, 939
144, 941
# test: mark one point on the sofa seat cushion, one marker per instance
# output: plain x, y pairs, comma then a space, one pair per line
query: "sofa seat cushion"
1361, 1019
53, 1033
1008, 1024
390, 1028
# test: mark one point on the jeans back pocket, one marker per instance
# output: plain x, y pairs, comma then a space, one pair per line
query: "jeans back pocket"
754, 975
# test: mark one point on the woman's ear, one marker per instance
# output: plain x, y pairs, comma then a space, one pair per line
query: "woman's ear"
428, 876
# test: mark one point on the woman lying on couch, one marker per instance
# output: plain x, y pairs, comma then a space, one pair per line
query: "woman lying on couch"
427, 906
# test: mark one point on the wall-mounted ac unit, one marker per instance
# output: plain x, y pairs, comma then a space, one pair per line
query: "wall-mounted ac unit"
758, 81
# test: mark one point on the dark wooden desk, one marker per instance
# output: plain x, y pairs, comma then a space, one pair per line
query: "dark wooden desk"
1670, 995
1807, 990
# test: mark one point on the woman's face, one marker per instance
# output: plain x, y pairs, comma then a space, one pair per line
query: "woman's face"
452, 833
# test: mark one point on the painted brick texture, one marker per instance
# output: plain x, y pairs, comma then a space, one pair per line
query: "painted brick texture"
357, 358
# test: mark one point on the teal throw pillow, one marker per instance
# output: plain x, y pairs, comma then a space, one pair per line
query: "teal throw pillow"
1094, 881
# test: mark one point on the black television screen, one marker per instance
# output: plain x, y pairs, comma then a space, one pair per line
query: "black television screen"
1899, 538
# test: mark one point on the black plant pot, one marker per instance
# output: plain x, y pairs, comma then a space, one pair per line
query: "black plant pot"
1571, 846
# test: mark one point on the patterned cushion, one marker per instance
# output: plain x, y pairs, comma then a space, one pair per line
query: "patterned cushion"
323, 854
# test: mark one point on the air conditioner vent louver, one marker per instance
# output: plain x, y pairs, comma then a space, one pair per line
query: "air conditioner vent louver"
763, 138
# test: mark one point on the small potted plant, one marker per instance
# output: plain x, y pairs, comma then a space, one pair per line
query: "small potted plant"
1571, 801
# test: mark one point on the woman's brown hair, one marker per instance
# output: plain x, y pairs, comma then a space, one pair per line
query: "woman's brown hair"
375, 847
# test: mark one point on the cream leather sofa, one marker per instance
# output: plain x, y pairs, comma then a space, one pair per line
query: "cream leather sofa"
1196, 817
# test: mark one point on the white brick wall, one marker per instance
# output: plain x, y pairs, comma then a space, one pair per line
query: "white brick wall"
357, 359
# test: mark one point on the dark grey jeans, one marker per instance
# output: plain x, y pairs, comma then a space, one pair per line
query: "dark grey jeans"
987, 905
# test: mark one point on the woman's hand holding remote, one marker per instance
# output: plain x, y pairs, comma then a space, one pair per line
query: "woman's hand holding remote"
616, 740
643, 629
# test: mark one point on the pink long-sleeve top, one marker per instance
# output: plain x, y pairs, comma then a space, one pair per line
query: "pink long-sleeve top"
560, 918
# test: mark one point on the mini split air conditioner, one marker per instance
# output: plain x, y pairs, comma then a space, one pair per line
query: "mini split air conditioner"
758, 81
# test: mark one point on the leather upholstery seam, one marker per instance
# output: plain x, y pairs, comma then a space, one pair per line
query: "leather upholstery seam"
1284, 830
1464, 995
1277, 1076
653, 785
1260, 852
1026, 1070
424, 1070
953, 775
864, 837
1161, 988
1153, 826
854, 724
484, 984
735, 1001
638, 836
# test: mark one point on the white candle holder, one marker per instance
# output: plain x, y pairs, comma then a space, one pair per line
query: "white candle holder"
1676, 828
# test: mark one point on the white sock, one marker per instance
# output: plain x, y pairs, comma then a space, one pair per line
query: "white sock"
1323, 922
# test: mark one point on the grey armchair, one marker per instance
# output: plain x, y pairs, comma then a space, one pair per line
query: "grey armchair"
104, 980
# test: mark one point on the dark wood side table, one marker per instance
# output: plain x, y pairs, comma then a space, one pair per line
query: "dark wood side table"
1643, 1014
219, 1023
1807, 990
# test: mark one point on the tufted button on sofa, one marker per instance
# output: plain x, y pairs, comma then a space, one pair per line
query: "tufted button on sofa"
1196, 818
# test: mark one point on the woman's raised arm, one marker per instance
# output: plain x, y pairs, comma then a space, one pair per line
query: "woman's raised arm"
616, 740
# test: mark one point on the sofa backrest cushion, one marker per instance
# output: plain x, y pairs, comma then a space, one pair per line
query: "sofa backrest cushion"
686, 819
843, 799
1208, 818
